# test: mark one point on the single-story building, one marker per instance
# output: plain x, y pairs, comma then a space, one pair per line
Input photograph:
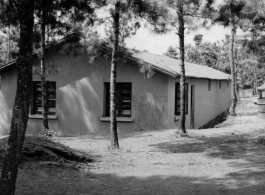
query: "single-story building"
78, 95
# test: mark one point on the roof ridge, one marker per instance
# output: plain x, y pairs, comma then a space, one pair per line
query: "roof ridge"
46, 46
170, 66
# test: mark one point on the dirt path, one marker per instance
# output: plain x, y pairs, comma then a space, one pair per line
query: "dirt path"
229, 159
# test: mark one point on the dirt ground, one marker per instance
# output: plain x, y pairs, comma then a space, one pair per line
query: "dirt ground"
228, 159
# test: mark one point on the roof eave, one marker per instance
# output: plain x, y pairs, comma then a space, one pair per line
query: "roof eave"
174, 75
8, 65
227, 79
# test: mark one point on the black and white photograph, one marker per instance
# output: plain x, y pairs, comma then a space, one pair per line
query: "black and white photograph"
132, 97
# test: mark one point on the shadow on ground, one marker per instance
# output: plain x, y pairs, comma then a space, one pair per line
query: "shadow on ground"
59, 183
246, 154
225, 147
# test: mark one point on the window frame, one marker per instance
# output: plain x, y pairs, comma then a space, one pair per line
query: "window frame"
34, 96
120, 96
186, 99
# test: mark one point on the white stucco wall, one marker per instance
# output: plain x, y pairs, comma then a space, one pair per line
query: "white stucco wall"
80, 98
208, 104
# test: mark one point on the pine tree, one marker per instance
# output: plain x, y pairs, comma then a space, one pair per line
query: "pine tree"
172, 52
134, 9
47, 12
8, 43
229, 14
22, 12
25, 9
187, 15
181, 29
43, 66
125, 17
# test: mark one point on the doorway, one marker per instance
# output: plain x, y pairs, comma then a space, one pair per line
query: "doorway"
192, 106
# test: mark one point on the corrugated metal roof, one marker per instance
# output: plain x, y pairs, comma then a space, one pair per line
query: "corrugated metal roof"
35, 52
171, 67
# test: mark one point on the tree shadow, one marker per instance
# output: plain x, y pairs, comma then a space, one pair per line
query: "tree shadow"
51, 183
246, 175
225, 147
243, 153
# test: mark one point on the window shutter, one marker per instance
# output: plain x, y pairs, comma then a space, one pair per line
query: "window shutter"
37, 97
124, 99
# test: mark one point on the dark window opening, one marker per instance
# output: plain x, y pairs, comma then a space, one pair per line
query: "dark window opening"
37, 98
209, 85
177, 99
123, 102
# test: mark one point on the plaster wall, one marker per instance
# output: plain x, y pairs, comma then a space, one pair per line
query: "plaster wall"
7, 98
80, 97
208, 104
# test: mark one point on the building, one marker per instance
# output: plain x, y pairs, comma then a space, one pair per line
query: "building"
78, 95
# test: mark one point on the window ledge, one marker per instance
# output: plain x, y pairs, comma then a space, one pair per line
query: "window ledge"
119, 119
176, 118
39, 116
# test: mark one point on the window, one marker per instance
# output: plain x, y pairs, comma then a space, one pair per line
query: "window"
209, 85
37, 98
124, 99
177, 99
220, 84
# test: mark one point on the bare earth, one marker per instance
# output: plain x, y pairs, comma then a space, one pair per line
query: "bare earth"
228, 159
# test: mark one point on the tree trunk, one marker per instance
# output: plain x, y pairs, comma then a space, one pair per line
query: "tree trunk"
255, 89
113, 95
21, 107
8, 50
181, 29
237, 93
43, 72
255, 83
233, 76
236, 62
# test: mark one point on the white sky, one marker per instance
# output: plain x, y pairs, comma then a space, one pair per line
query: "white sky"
158, 44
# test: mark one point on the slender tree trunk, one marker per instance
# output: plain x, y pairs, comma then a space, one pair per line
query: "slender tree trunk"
255, 90
21, 107
255, 80
237, 93
8, 50
233, 75
43, 71
113, 95
181, 35
236, 62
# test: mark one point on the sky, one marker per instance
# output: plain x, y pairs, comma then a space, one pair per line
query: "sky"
158, 44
